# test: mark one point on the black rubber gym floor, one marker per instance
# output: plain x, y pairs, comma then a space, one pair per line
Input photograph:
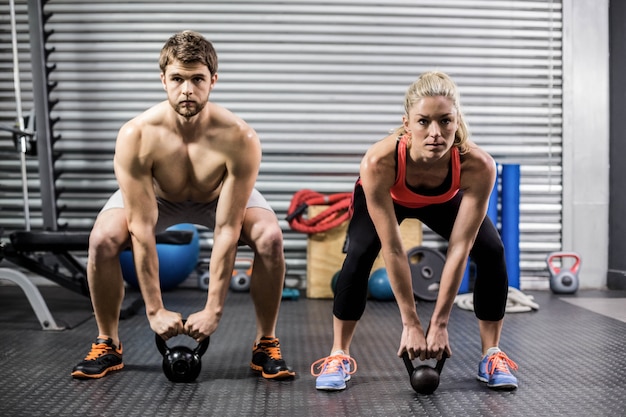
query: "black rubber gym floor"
572, 362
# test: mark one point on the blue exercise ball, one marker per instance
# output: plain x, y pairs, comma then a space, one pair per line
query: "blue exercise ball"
176, 262
379, 285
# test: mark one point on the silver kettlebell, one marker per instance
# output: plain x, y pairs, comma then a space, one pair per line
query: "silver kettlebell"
563, 280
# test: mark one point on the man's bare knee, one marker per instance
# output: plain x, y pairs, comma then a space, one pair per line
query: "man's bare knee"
103, 244
269, 243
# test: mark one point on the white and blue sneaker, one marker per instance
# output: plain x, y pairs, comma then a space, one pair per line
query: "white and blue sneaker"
333, 371
495, 370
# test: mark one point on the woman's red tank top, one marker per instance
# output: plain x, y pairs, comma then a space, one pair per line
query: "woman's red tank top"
400, 192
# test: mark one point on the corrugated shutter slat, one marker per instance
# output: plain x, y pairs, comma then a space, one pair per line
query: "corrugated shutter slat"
320, 82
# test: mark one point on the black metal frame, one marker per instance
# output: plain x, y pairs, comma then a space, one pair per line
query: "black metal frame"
43, 105
49, 254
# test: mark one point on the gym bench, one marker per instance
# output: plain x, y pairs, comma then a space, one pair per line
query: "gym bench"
48, 254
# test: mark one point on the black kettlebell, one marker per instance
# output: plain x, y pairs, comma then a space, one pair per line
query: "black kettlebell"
424, 379
180, 363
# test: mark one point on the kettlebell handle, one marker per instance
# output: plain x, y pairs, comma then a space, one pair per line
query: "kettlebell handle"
407, 363
411, 368
161, 345
202, 346
554, 270
441, 362
164, 350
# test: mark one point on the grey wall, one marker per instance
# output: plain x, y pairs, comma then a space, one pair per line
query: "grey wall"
586, 136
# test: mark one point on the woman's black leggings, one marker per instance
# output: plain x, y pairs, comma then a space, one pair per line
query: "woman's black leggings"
363, 246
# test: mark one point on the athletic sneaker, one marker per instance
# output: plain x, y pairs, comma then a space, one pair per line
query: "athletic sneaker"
494, 370
266, 358
104, 357
334, 371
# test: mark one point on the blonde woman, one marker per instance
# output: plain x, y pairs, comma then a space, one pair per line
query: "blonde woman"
430, 170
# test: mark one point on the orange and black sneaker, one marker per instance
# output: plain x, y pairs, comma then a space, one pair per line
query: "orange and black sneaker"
104, 357
267, 359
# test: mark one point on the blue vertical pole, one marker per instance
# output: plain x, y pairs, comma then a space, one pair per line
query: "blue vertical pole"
510, 221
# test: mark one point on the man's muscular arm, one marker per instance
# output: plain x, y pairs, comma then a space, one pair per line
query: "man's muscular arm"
242, 165
133, 170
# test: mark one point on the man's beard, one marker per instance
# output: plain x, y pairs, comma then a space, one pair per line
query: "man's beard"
189, 111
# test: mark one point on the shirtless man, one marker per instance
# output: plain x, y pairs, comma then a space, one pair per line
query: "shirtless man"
185, 160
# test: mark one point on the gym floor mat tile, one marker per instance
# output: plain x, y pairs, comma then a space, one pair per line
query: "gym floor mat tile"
572, 362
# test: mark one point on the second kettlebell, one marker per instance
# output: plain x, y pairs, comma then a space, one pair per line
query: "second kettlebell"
563, 280
241, 278
424, 379
181, 363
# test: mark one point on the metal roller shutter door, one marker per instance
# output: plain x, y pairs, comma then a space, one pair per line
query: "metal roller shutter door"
319, 81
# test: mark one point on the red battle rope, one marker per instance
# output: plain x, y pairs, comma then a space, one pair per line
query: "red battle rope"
334, 215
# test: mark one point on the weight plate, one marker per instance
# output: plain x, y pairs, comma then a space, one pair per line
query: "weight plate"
426, 267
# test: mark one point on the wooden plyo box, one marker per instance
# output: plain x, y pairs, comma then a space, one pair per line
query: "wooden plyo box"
325, 253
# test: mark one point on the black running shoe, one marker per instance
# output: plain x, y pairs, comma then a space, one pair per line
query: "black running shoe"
266, 358
103, 358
